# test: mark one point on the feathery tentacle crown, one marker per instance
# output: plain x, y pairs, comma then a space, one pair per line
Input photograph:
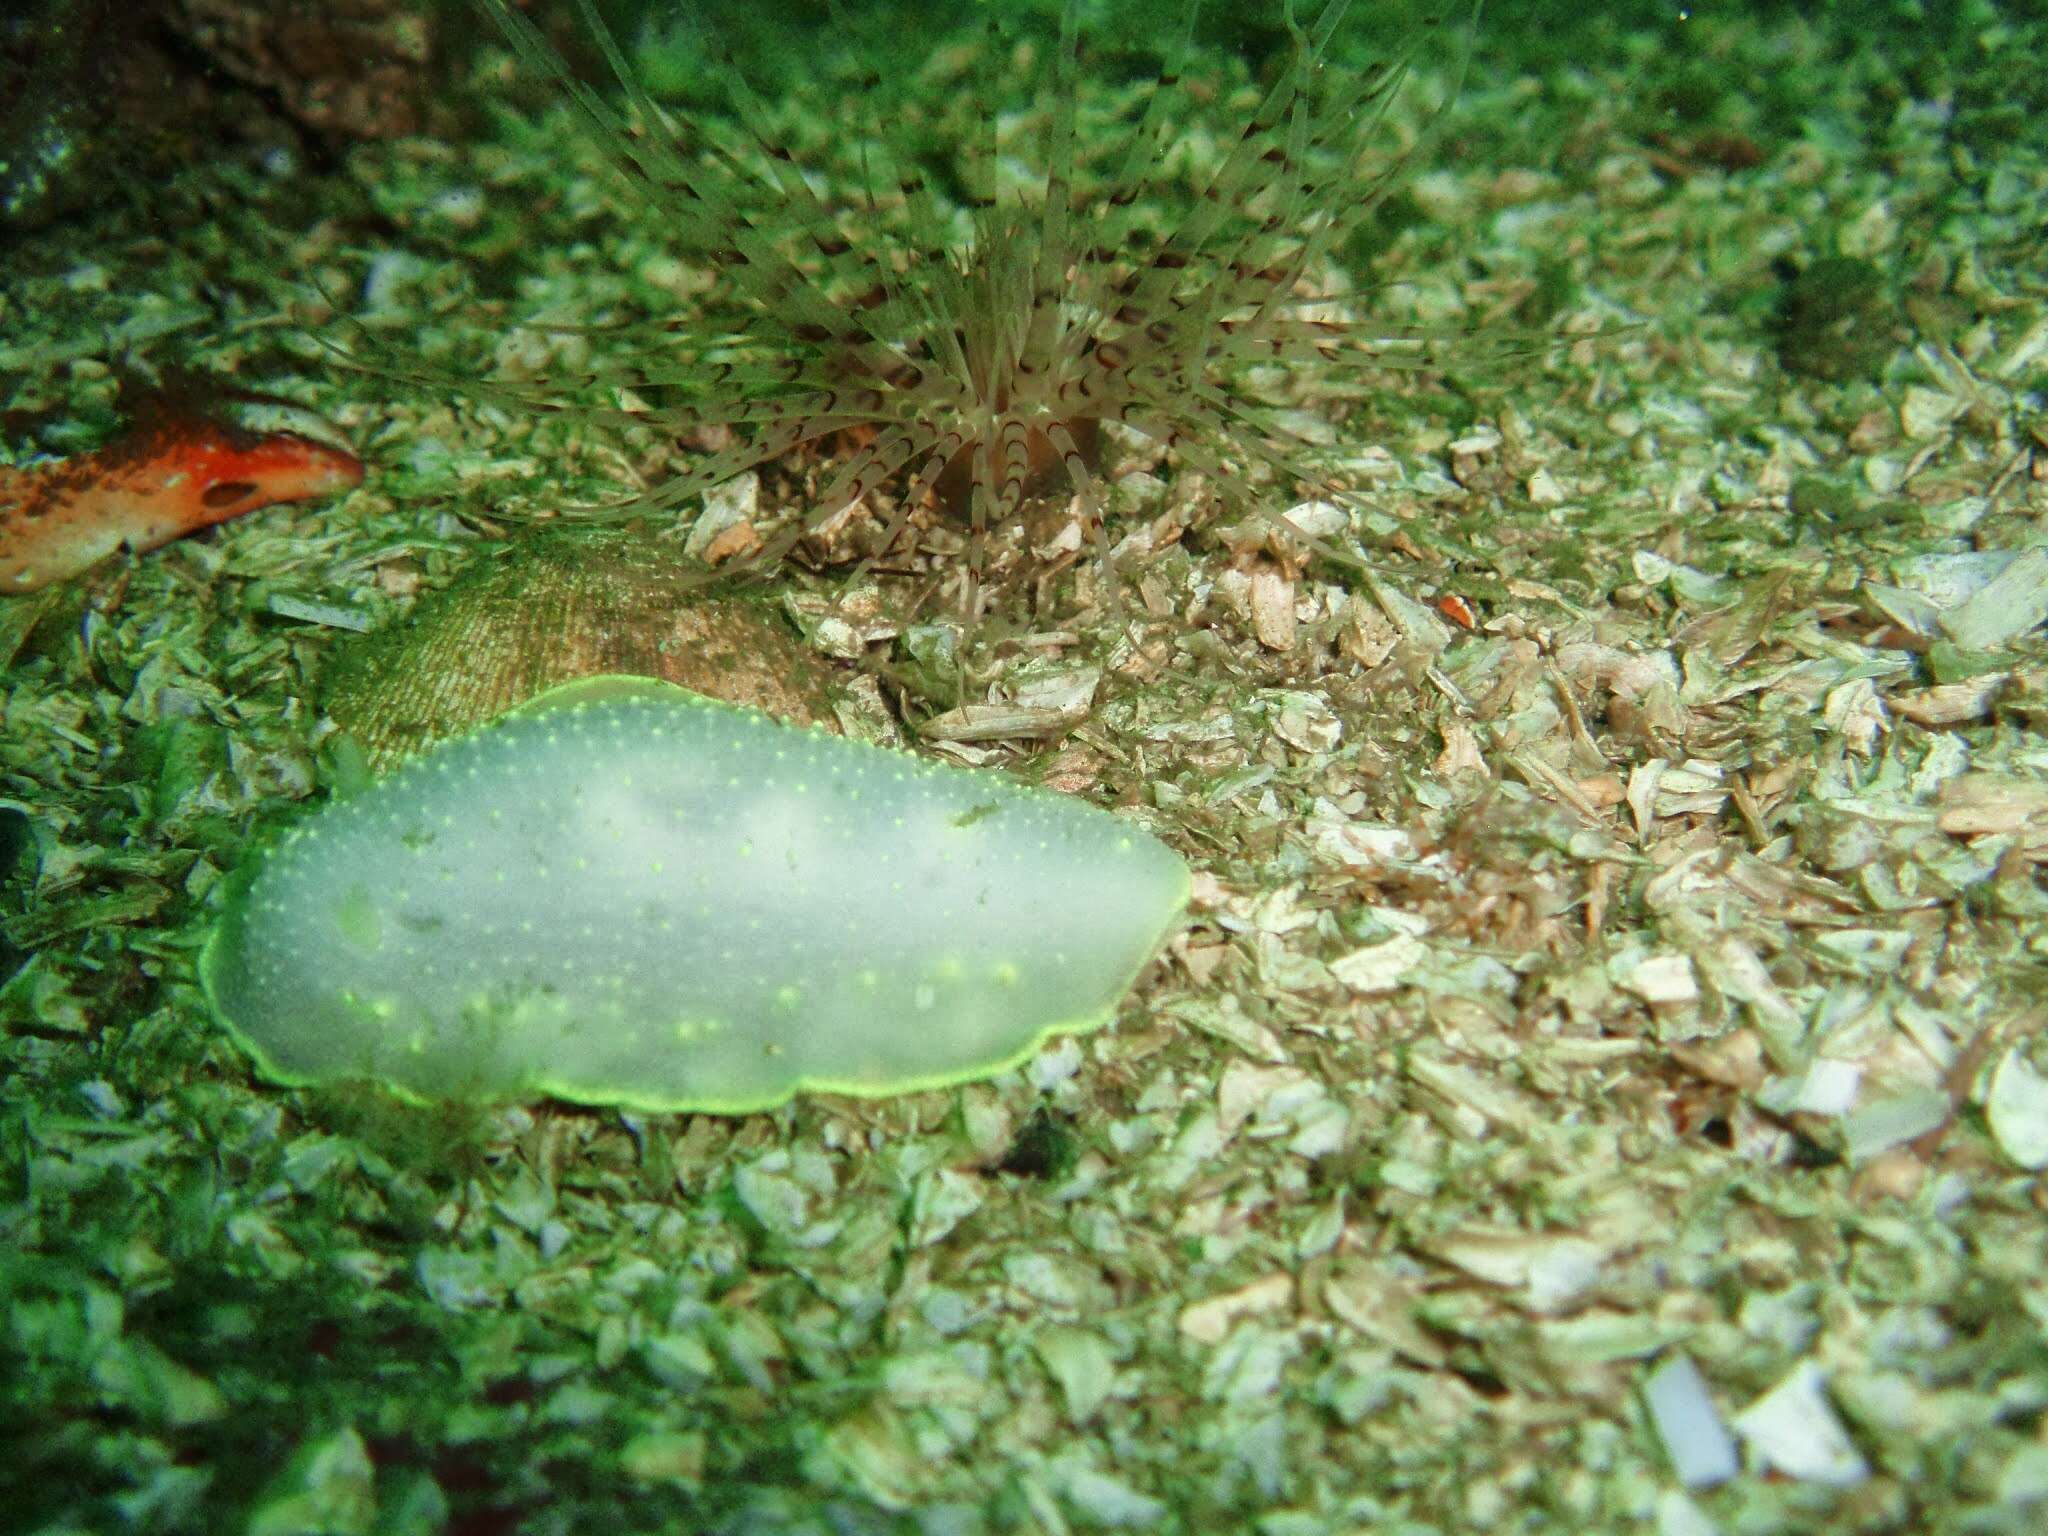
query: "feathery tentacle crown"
969, 351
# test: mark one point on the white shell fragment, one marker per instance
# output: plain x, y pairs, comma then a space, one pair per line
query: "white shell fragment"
627, 893
2017, 1110
1702, 1451
1983, 598
1793, 1429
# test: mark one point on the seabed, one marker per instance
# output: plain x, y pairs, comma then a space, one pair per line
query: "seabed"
1601, 1086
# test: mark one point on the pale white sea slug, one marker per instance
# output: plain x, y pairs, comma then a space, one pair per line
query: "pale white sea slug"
625, 893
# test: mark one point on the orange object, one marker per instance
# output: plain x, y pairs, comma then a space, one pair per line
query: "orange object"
175, 470
1457, 610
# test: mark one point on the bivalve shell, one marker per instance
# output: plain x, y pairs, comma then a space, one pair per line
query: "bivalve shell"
561, 606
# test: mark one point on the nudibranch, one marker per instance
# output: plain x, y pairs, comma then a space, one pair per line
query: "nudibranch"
176, 470
626, 893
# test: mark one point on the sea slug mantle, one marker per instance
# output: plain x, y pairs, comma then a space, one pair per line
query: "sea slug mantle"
625, 893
